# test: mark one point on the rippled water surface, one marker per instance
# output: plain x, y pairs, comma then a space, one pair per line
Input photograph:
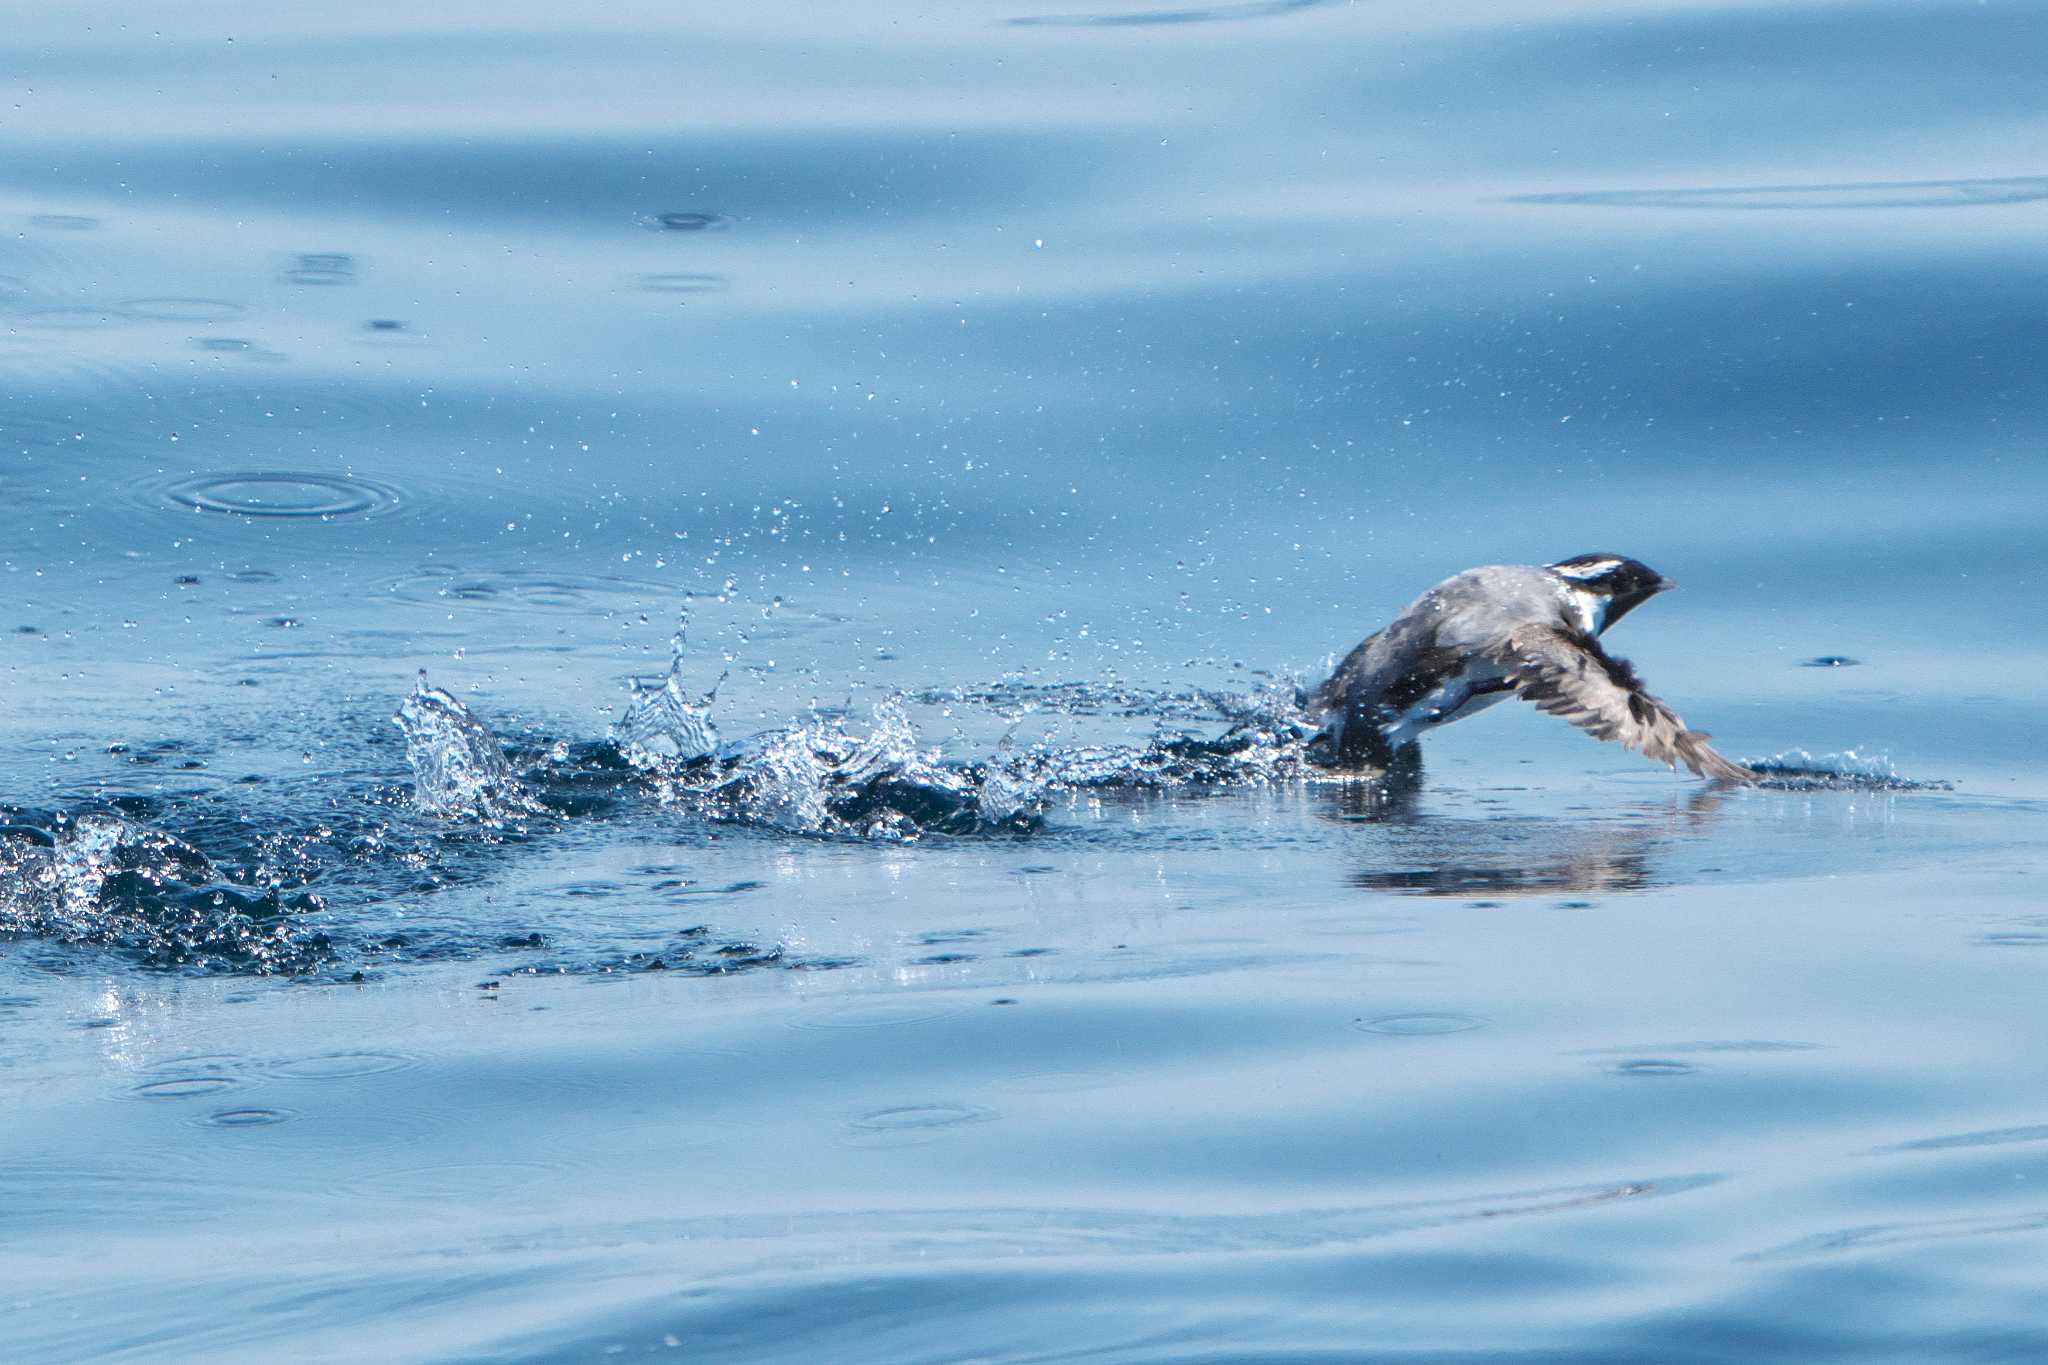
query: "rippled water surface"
945, 947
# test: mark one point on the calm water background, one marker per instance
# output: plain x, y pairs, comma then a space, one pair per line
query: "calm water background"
1006, 346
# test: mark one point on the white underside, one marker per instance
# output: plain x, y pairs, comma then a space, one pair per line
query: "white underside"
1455, 699
1451, 701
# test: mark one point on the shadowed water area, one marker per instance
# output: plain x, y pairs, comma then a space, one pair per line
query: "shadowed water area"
654, 671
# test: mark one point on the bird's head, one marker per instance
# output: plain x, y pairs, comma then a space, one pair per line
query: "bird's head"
1617, 583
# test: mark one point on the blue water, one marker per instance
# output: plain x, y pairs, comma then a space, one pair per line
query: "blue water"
1070, 386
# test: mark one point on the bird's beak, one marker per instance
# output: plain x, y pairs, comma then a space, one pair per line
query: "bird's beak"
1666, 584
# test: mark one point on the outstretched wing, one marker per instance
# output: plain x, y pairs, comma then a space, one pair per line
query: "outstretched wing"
1566, 673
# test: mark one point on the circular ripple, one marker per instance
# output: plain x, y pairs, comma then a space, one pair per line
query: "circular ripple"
879, 1015
528, 590
168, 1185
322, 268
680, 283
278, 494
1760, 1045
183, 1087
73, 317
245, 1118
1894, 194
1652, 1068
456, 1180
672, 1135
911, 1118
689, 221
1419, 1025
1361, 926
335, 1066
913, 1125
201, 1061
180, 310
1058, 1082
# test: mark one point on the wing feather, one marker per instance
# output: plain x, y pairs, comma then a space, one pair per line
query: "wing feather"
1567, 674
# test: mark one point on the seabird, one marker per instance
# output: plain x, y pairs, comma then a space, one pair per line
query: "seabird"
1508, 630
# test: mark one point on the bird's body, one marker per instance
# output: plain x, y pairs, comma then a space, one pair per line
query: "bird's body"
1503, 630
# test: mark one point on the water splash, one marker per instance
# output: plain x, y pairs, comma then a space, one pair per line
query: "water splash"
1268, 739
884, 784
1798, 770
1016, 697
1007, 794
458, 769
100, 879
107, 878
815, 778
781, 784
819, 778
663, 725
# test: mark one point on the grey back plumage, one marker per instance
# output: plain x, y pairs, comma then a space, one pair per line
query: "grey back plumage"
1438, 630
1504, 628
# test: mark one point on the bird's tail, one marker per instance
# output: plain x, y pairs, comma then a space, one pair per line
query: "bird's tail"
1698, 755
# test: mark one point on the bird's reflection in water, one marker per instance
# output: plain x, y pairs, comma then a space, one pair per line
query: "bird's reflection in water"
1424, 855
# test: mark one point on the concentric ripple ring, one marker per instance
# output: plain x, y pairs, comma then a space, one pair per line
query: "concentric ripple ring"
266, 493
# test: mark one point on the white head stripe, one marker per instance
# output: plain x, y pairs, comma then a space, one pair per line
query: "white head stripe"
1592, 570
